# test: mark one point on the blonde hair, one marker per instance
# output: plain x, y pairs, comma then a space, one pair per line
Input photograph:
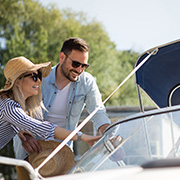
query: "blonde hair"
32, 105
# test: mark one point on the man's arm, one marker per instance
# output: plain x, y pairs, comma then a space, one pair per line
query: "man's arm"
93, 100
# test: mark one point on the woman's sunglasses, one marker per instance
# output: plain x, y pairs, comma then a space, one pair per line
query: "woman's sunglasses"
35, 76
76, 64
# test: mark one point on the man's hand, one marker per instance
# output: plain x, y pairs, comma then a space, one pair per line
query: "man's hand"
30, 144
116, 141
22, 136
119, 154
103, 128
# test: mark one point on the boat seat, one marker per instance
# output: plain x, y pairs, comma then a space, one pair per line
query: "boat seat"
174, 96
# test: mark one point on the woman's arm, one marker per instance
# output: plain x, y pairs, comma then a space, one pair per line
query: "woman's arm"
61, 134
31, 145
45, 130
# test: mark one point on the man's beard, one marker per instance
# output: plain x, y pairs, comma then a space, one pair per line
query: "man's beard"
67, 75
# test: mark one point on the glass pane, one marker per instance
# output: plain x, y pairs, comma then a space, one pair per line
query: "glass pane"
134, 142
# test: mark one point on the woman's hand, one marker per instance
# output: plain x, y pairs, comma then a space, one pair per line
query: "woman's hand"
90, 139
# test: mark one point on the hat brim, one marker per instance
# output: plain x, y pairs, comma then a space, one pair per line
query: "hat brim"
59, 164
45, 68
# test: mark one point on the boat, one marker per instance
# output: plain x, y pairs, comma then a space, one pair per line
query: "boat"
142, 145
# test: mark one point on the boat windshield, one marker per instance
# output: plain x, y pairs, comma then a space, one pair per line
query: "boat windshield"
134, 142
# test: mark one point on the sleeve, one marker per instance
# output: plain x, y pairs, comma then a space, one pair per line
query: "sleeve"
93, 101
16, 116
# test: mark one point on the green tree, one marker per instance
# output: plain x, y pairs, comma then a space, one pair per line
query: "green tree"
38, 32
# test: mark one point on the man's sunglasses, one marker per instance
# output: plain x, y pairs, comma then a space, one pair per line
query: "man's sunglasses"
76, 64
35, 76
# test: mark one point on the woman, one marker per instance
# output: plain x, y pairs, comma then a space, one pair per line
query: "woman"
21, 103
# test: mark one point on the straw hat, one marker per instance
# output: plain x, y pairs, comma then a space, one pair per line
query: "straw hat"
20, 65
59, 164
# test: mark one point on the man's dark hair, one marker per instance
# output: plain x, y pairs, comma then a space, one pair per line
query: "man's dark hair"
74, 43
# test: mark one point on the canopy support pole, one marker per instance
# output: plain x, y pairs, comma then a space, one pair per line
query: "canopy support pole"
140, 99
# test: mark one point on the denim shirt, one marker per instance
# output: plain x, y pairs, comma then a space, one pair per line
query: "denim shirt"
82, 93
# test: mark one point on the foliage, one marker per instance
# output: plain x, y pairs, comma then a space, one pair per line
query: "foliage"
38, 32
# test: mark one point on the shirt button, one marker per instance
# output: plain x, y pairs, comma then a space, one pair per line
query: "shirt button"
49, 105
55, 92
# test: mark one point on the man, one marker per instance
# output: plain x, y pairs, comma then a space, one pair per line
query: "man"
66, 91
68, 88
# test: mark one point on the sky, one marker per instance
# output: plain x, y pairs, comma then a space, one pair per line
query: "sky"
138, 25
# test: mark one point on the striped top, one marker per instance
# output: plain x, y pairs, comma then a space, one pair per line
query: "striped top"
13, 118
